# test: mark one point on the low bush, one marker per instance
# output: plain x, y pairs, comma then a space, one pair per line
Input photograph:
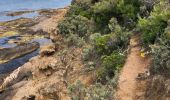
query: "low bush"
94, 92
146, 7
74, 40
76, 25
167, 31
106, 44
93, 37
153, 26
80, 7
116, 40
161, 59
125, 11
88, 53
111, 64
161, 54
90, 66
114, 26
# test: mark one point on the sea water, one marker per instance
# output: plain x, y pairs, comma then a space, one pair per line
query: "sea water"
22, 5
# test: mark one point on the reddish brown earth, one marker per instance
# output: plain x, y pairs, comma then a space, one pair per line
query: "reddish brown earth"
128, 85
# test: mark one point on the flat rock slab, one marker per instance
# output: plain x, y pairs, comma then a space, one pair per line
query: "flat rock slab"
8, 54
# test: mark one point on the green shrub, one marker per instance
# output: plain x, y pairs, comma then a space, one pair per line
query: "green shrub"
77, 91
76, 25
93, 37
88, 53
167, 31
114, 26
94, 92
75, 40
80, 7
90, 66
146, 7
106, 44
153, 26
161, 59
111, 64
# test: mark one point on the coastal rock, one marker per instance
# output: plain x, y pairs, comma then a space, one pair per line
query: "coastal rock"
18, 13
47, 50
7, 54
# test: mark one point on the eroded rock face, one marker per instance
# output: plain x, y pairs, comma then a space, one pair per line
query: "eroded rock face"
158, 88
50, 76
47, 50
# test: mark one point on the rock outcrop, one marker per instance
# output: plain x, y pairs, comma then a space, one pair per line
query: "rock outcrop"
7, 54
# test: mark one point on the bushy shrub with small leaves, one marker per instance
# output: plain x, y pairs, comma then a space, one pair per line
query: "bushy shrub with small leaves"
93, 37
80, 7
167, 30
111, 64
106, 44
74, 40
94, 92
116, 40
161, 58
124, 10
153, 26
76, 25
88, 53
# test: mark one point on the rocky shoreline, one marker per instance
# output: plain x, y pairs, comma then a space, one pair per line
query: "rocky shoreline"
36, 67
23, 30
48, 75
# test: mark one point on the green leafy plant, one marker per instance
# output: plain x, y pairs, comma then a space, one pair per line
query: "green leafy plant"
75, 40
75, 25
80, 7
161, 59
94, 92
88, 53
111, 64
153, 26
106, 44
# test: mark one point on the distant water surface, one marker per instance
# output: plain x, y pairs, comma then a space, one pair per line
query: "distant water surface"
21, 5
15, 5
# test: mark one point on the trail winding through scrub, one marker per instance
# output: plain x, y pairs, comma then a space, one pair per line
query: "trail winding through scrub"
135, 64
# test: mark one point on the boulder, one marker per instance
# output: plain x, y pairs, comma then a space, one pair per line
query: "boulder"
47, 50
7, 54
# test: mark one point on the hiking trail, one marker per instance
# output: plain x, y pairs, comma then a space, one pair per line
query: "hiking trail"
135, 64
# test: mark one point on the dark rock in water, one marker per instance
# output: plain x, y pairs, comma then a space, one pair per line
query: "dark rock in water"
8, 54
18, 13
15, 63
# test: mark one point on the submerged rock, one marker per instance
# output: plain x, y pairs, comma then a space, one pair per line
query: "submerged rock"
18, 13
9, 33
7, 54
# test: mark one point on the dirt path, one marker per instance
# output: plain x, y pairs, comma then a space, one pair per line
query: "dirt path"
135, 64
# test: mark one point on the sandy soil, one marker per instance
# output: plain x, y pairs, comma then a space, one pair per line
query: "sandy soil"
135, 64
50, 24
